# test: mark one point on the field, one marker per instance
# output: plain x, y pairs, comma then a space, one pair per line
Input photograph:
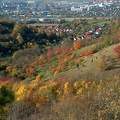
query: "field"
43, 25
89, 18
91, 21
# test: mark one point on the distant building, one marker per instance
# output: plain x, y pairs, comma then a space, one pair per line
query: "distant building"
29, 2
14, 19
46, 19
78, 8
101, 5
44, 12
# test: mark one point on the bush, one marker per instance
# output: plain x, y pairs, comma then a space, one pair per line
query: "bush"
3, 73
101, 64
6, 96
117, 50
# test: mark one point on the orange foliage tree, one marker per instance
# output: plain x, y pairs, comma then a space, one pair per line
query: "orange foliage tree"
66, 50
101, 64
49, 52
78, 44
117, 50
30, 70
86, 53
58, 50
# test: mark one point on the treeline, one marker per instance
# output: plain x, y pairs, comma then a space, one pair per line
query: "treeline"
15, 36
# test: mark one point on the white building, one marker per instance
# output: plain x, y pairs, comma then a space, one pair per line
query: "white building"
101, 5
31, 2
76, 9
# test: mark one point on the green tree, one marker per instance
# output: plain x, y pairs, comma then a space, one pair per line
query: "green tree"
6, 97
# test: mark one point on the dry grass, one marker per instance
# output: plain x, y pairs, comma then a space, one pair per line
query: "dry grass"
90, 66
88, 18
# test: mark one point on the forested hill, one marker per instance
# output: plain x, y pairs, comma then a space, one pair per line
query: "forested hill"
23, 44
15, 36
66, 71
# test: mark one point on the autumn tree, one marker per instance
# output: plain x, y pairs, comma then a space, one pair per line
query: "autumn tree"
117, 50
17, 29
101, 64
19, 38
58, 50
49, 52
78, 44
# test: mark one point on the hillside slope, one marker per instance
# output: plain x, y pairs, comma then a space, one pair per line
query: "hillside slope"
94, 67
70, 80
93, 90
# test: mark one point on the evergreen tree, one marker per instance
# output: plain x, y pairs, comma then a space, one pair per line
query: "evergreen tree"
6, 97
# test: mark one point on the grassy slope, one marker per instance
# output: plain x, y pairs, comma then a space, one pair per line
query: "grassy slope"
90, 68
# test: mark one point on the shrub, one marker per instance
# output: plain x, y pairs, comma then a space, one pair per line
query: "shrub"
58, 50
43, 62
39, 77
101, 64
3, 72
78, 44
35, 63
66, 50
49, 52
56, 72
94, 48
71, 56
83, 53
117, 50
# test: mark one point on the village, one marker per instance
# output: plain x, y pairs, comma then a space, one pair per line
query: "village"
39, 11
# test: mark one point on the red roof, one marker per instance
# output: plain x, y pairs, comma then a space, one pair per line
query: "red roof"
88, 37
98, 30
88, 33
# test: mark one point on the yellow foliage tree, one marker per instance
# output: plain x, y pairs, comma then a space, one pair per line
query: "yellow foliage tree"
80, 91
68, 88
88, 85
83, 82
39, 77
55, 73
20, 93
33, 85
45, 92
41, 57
53, 85
76, 85
14, 72
19, 38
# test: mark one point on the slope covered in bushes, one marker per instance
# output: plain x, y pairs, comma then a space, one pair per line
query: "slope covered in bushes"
75, 80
